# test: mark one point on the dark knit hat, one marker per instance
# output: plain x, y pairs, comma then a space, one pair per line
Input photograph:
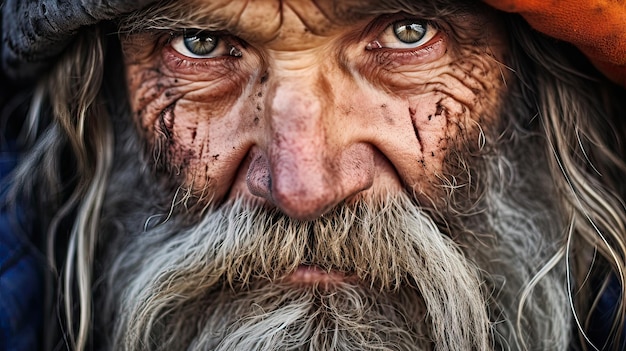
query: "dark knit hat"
34, 32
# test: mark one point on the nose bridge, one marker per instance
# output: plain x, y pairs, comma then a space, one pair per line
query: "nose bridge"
309, 161
300, 152
297, 115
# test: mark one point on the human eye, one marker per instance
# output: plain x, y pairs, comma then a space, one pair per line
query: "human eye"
199, 44
408, 33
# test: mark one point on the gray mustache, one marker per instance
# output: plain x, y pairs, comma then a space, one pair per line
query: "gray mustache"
390, 245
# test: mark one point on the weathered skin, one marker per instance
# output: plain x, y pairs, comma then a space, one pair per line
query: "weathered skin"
308, 110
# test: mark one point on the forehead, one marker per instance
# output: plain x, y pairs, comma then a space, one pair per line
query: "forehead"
265, 20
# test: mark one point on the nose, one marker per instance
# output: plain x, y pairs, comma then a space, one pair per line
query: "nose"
310, 159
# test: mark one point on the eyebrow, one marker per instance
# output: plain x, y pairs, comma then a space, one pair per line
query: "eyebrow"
176, 15
426, 9
172, 15
185, 14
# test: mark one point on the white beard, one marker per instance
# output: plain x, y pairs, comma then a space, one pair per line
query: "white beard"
219, 284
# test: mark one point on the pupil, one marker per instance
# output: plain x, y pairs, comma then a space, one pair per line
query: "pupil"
200, 44
409, 31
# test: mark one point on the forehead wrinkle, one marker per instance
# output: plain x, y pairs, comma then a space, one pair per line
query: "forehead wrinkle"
209, 15
198, 14
170, 16
262, 22
312, 17
426, 9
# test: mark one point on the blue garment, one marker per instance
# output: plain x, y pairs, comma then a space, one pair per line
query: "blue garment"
21, 285
603, 317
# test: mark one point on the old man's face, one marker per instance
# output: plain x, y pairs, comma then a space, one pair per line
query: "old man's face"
306, 104
319, 160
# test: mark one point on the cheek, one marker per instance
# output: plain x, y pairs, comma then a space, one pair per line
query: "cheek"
192, 128
153, 89
441, 125
451, 107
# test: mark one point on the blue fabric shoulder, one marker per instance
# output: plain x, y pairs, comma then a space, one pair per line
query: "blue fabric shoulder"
21, 285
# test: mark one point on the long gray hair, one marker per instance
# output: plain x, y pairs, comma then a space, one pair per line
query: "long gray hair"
564, 103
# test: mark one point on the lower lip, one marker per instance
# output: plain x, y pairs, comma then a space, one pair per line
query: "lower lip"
314, 275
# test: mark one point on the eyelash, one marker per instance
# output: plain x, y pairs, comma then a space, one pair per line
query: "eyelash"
378, 27
390, 57
188, 64
220, 39
384, 25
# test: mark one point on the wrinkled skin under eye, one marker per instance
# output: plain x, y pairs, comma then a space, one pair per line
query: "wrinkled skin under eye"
202, 45
405, 34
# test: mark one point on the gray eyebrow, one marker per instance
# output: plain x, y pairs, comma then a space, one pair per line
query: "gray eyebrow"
427, 9
178, 15
173, 15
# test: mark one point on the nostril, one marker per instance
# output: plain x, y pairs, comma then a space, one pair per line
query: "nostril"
305, 187
258, 179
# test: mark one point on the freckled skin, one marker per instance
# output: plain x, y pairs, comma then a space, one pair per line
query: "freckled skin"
307, 116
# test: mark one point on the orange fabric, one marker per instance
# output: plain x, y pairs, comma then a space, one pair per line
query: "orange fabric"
596, 27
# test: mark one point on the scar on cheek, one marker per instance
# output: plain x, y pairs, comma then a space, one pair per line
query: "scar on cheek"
163, 139
171, 152
165, 122
440, 123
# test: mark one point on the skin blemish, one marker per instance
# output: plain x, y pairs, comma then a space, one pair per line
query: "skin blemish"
264, 78
166, 121
387, 115
417, 136
201, 152
412, 112
439, 109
